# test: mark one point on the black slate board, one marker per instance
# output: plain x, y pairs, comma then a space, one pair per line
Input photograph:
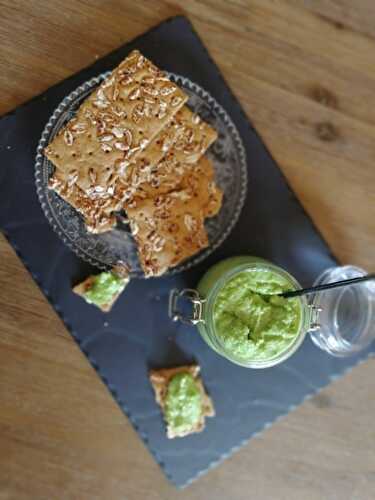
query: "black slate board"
137, 334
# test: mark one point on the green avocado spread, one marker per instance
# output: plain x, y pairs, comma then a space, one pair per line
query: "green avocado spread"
252, 324
103, 288
183, 403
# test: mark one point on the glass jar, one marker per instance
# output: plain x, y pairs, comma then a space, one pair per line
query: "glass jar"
340, 321
203, 303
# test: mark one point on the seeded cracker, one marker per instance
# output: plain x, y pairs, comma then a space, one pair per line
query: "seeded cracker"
168, 229
97, 209
195, 138
159, 380
199, 181
121, 271
112, 127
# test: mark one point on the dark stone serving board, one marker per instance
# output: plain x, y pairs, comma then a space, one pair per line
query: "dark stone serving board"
137, 335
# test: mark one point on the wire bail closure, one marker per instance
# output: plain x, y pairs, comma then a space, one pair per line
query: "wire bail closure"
189, 295
314, 318
176, 297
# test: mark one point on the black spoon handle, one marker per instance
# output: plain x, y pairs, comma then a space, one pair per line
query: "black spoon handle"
327, 286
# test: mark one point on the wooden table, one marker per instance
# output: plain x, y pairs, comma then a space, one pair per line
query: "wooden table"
305, 74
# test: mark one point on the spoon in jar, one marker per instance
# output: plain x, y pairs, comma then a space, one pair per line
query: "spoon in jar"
326, 286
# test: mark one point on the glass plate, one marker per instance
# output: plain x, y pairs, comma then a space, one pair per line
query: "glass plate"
104, 250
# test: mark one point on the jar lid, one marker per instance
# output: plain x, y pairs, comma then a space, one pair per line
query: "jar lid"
347, 315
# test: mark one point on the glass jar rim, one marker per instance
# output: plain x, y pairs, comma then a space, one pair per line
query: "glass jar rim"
330, 337
304, 319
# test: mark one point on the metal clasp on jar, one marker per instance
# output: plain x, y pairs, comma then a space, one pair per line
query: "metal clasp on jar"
189, 295
314, 317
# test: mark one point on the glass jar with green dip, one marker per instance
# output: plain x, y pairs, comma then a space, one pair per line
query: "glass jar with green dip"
239, 313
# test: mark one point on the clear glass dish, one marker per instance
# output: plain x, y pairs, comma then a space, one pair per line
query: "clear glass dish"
104, 250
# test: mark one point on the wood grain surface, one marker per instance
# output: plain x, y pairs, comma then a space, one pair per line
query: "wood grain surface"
304, 71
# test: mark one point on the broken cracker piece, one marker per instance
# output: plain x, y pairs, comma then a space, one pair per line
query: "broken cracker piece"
168, 229
160, 381
199, 180
165, 175
102, 290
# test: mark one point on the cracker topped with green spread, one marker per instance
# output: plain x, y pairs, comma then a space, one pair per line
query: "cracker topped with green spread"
102, 290
183, 399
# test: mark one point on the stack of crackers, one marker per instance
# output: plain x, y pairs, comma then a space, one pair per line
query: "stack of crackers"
134, 145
